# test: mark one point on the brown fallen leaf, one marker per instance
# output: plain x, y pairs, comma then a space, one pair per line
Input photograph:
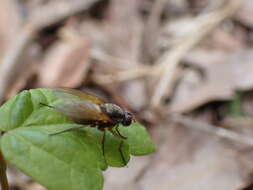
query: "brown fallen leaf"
223, 74
26, 77
10, 26
239, 124
227, 40
245, 13
66, 63
126, 178
10, 22
192, 160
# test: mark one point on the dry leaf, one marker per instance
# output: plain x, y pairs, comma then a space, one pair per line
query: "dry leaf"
223, 40
9, 23
66, 64
245, 13
125, 178
223, 74
193, 160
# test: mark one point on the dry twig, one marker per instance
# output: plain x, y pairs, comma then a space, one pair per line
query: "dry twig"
215, 130
171, 59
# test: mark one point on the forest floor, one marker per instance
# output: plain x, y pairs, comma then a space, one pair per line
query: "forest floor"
183, 67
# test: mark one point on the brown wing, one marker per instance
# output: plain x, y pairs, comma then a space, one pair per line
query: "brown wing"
81, 111
77, 94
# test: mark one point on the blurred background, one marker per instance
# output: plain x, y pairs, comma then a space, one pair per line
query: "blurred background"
183, 67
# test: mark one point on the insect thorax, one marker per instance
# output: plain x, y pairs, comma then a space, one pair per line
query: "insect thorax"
113, 111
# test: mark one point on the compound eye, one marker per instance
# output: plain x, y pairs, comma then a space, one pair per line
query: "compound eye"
128, 117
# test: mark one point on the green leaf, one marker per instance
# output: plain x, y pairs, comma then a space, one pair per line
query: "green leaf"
61, 162
138, 139
25, 110
72, 160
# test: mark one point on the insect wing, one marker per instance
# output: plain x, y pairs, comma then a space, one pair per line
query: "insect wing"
68, 93
81, 111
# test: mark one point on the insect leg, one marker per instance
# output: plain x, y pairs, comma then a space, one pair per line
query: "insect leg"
46, 105
121, 153
123, 137
103, 143
66, 130
116, 134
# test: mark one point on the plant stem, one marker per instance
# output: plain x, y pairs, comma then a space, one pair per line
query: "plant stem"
3, 176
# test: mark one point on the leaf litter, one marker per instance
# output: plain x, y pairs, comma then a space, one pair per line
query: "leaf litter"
122, 43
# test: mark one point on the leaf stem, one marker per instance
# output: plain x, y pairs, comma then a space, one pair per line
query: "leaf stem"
3, 176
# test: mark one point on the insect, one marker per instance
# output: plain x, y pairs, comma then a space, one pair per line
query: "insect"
87, 109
